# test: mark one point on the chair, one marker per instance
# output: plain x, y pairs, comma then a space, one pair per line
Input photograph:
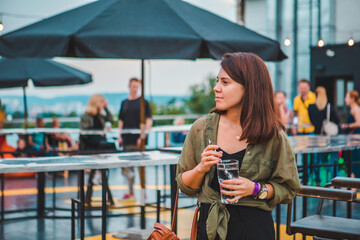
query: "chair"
328, 227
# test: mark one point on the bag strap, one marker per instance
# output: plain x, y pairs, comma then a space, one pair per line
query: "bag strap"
173, 223
195, 221
328, 112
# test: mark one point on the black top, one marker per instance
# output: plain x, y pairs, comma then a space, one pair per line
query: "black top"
226, 156
97, 123
317, 116
350, 119
130, 115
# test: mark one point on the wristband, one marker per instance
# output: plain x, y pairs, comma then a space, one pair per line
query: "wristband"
256, 189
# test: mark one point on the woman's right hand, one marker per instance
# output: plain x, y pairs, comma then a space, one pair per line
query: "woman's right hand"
209, 157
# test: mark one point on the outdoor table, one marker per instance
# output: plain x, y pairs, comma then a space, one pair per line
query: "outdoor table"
100, 161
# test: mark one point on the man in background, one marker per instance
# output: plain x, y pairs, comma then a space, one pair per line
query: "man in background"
129, 118
301, 105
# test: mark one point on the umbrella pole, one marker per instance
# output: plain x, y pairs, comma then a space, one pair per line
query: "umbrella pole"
142, 146
27, 145
25, 109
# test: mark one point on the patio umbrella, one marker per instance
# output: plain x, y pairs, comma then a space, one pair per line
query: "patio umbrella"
43, 72
137, 29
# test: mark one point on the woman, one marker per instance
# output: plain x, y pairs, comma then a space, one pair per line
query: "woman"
352, 125
285, 114
95, 117
318, 111
245, 127
317, 115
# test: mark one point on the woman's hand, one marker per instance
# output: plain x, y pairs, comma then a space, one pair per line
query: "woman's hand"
209, 157
344, 126
240, 187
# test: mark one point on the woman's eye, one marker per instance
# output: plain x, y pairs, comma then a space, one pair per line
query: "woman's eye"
225, 82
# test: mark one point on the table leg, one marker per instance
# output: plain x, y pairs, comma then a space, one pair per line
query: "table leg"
104, 203
349, 171
41, 195
2, 197
82, 199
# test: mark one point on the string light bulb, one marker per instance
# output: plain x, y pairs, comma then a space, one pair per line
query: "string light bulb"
1, 23
287, 42
351, 42
321, 43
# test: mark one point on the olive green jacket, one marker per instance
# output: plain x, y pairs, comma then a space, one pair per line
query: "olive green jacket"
272, 162
87, 120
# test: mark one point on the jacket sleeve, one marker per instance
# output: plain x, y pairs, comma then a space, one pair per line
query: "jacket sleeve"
108, 116
284, 177
187, 161
86, 122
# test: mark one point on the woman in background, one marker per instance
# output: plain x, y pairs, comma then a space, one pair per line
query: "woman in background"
352, 125
95, 117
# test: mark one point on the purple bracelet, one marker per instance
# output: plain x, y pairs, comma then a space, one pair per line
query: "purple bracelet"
256, 189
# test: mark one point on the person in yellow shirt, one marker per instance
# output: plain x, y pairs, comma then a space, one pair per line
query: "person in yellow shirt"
301, 104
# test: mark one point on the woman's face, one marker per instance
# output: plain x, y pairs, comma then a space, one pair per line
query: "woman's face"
280, 98
228, 92
348, 100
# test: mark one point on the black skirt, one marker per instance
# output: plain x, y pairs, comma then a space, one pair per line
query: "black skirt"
248, 223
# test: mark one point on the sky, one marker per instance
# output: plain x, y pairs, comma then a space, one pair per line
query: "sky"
162, 77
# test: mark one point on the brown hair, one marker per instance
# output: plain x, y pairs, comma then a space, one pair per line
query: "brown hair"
355, 95
135, 80
304, 80
258, 119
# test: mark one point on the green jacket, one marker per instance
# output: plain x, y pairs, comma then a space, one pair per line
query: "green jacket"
87, 120
272, 162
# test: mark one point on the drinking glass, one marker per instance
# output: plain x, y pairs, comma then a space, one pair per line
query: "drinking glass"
227, 169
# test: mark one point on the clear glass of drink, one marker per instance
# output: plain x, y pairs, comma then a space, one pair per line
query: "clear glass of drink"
227, 169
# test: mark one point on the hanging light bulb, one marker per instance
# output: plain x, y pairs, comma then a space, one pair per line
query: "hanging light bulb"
1, 23
351, 42
321, 43
287, 42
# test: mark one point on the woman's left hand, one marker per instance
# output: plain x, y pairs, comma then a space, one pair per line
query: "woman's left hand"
240, 187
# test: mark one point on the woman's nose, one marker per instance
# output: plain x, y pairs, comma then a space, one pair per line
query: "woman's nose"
217, 88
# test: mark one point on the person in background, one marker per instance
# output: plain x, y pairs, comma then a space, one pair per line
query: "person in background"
37, 140
317, 115
95, 117
5, 148
177, 138
129, 117
244, 128
352, 125
281, 109
301, 104
59, 141
318, 111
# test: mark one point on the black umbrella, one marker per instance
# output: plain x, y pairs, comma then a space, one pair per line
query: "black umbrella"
44, 73
137, 29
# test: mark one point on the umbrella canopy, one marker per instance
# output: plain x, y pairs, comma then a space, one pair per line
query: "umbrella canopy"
43, 72
137, 29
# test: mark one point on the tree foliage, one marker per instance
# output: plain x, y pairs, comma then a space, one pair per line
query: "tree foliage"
202, 98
